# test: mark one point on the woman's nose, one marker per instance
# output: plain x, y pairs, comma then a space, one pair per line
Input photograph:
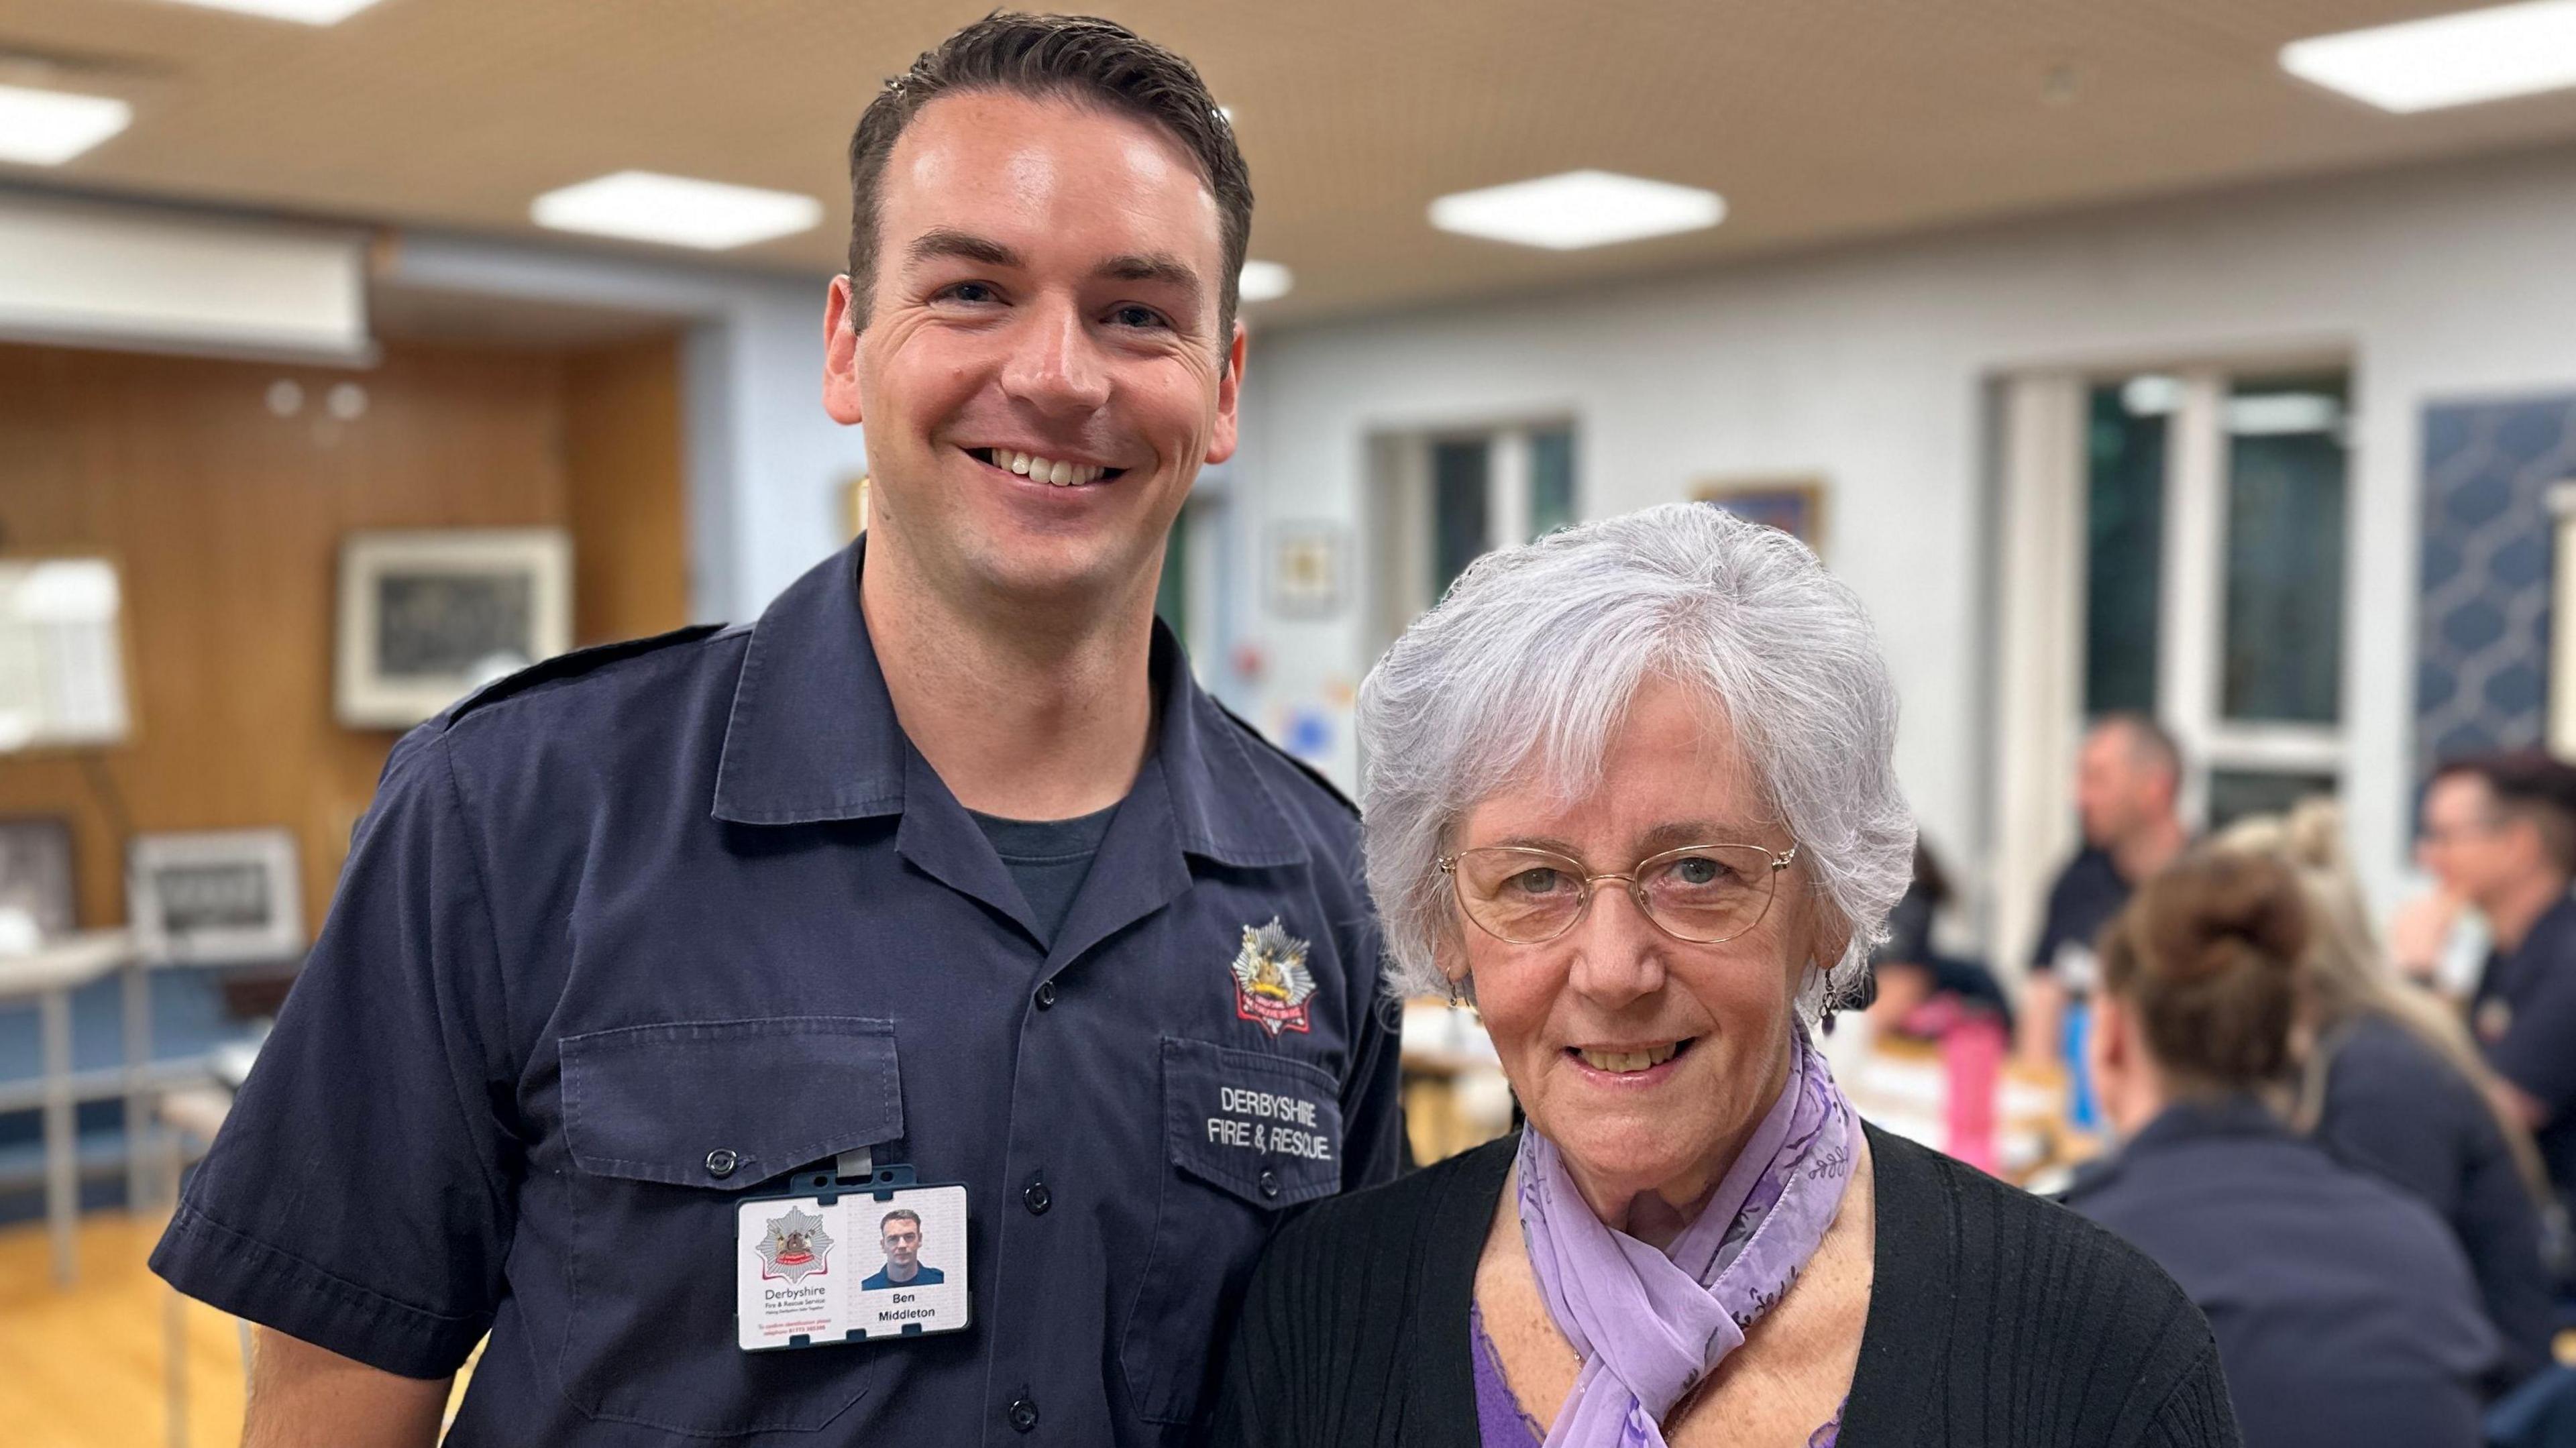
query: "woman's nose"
1618, 952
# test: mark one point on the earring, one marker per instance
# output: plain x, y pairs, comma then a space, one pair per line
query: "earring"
1457, 997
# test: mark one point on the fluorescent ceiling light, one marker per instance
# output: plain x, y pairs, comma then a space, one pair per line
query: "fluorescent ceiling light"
47, 128
2448, 60
1578, 209
303, 12
678, 211
1265, 281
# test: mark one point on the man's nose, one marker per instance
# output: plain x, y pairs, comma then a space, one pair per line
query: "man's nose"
1055, 363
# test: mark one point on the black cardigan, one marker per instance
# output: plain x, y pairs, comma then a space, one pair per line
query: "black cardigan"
1995, 1318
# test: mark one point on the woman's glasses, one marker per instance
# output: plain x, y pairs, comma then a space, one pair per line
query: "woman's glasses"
1704, 894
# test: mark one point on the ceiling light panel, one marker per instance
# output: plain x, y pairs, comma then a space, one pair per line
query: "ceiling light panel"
1264, 281
676, 211
1578, 209
302, 12
47, 128
2447, 60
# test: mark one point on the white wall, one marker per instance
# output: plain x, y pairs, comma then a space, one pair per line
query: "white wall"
1869, 365
765, 466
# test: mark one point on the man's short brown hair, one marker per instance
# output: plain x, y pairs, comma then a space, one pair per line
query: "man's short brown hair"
2528, 784
1080, 58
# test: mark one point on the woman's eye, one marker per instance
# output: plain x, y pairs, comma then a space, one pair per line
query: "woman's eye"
1693, 870
1536, 881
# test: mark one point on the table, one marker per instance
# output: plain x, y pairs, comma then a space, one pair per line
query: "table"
48, 976
194, 1114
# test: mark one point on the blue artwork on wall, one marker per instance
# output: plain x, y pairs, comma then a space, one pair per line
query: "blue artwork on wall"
2482, 643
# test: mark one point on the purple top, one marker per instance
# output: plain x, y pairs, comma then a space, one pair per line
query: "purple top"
1501, 1421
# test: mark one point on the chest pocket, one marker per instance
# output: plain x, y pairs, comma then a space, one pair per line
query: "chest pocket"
667, 1126
1248, 1134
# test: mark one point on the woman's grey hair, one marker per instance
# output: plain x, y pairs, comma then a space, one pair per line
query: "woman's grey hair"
1525, 670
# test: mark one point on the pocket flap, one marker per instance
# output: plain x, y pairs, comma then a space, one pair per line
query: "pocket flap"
1264, 1127
728, 1104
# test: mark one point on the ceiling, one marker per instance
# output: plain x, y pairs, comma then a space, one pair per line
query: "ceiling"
1819, 120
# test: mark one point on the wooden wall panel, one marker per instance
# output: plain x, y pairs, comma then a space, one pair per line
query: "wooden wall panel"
624, 490
227, 519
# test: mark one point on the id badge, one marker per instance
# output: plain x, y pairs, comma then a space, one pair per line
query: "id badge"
849, 1259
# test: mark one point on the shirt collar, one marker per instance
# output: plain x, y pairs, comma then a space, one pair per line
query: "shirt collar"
813, 735
2197, 1119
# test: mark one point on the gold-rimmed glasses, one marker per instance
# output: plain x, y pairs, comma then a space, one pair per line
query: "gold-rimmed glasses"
1703, 894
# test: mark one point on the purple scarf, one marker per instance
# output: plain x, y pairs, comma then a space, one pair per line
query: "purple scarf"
1650, 1325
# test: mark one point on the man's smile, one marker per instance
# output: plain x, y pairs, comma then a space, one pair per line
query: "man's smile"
1039, 468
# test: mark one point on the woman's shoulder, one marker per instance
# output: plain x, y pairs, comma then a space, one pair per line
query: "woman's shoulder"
1416, 1210
1980, 1281
1933, 1202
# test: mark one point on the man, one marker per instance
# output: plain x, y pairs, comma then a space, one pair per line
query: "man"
2499, 833
2128, 777
945, 860
902, 1242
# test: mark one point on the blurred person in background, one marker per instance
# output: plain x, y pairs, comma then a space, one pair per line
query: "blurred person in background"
1910, 972
2128, 778
1631, 790
2390, 1082
2345, 1312
2499, 836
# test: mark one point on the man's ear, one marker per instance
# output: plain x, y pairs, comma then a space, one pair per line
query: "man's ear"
1229, 392
841, 354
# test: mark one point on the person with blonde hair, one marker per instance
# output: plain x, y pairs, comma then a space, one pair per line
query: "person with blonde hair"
2390, 1082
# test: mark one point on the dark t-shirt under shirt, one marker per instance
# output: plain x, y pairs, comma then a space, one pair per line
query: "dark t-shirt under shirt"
1048, 859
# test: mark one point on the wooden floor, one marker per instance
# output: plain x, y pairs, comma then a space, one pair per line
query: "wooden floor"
82, 1367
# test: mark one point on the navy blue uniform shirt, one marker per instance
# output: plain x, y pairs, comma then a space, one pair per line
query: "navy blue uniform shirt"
2395, 1107
645, 929
2525, 1016
2088, 892
2344, 1312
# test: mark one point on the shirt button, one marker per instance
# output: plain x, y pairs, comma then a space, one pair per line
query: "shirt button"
1037, 1199
1046, 994
1023, 1414
1270, 1184
722, 1161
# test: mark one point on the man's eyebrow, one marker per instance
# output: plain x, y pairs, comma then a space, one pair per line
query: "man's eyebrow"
965, 246
1151, 267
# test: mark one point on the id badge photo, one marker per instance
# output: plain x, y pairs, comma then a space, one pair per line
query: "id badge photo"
849, 1258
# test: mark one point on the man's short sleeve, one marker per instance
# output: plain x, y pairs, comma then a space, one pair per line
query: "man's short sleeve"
360, 1195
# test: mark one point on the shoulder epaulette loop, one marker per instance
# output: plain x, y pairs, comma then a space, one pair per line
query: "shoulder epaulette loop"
576, 663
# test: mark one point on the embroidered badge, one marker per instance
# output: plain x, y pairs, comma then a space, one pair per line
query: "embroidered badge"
795, 1245
1271, 982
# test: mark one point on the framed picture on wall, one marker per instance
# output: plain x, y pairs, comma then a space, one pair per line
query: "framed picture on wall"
218, 897
427, 617
36, 872
1794, 505
1306, 570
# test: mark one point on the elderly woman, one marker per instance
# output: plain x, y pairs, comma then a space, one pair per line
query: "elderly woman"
1631, 792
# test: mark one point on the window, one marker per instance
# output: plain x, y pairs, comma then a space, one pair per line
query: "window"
2214, 534
1445, 499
